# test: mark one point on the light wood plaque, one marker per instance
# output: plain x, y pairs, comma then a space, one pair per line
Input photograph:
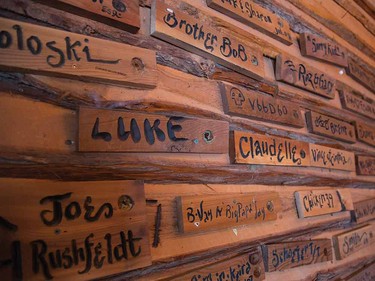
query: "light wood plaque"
364, 210
365, 133
331, 158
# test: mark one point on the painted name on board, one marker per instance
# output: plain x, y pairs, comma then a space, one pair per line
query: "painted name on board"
364, 210
327, 157
361, 75
365, 165
357, 105
365, 133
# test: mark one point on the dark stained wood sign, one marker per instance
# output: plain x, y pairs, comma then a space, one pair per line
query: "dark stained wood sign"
242, 102
295, 72
223, 211
186, 32
361, 75
316, 47
311, 203
364, 210
123, 14
328, 126
72, 230
252, 14
364, 274
352, 241
119, 131
249, 148
286, 255
42, 50
365, 133
331, 158
357, 105
365, 165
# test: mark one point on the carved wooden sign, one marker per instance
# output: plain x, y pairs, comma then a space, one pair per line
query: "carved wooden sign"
331, 158
286, 255
223, 211
241, 102
352, 241
311, 203
365, 165
72, 230
364, 274
42, 50
248, 148
361, 75
186, 32
357, 105
364, 210
123, 14
119, 131
295, 72
254, 15
328, 126
316, 47
365, 133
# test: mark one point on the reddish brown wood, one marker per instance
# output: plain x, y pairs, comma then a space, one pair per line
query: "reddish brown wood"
356, 104
365, 165
331, 158
364, 210
361, 74
365, 133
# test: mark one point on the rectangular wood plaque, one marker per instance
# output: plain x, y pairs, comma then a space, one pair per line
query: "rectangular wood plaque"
224, 211
286, 255
119, 131
357, 105
365, 165
122, 14
187, 32
249, 148
41, 50
295, 72
352, 241
241, 102
364, 210
311, 203
254, 15
365, 133
72, 230
331, 158
328, 126
316, 47
361, 75
364, 274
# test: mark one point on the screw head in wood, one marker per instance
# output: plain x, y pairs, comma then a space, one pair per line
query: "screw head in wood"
125, 203
254, 259
257, 272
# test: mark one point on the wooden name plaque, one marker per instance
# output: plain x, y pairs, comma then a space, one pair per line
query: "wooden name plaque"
352, 241
286, 255
316, 47
245, 103
311, 203
186, 32
72, 230
364, 274
255, 16
365, 133
361, 75
248, 148
365, 165
357, 105
295, 72
364, 210
331, 158
328, 126
224, 211
118, 131
41, 50
123, 14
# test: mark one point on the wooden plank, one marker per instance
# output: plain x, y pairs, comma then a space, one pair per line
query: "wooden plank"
365, 133
255, 16
352, 241
224, 211
365, 165
287, 255
331, 158
364, 210
186, 32
119, 131
331, 127
316, 47
249, 148
41, 50
361, 75
311, 203
354, 103
364, 274
118, 13
72, 230
295, 72
247, 103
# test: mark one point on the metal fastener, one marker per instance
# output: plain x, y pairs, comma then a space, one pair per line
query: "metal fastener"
254, 259
137, 63
125, 202
257, 272
270, 206
208, 136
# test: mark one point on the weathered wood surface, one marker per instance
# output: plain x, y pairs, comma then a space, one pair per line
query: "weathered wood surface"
331, 158
366, 273
365, 133
365, 165
364, 210
361, 74
356, 104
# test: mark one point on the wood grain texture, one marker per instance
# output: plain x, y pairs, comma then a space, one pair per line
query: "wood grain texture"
74, 230
365, 133
331, 158
364, 210
38, 49
295, 72
354, 103
361, 74
366, 273
365, 165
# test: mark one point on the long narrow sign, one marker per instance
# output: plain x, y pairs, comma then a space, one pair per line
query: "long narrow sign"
364, 274
364, 210
365, 133
187, 32
365, 165
357, 105
361, 75
42, 50
331, 158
